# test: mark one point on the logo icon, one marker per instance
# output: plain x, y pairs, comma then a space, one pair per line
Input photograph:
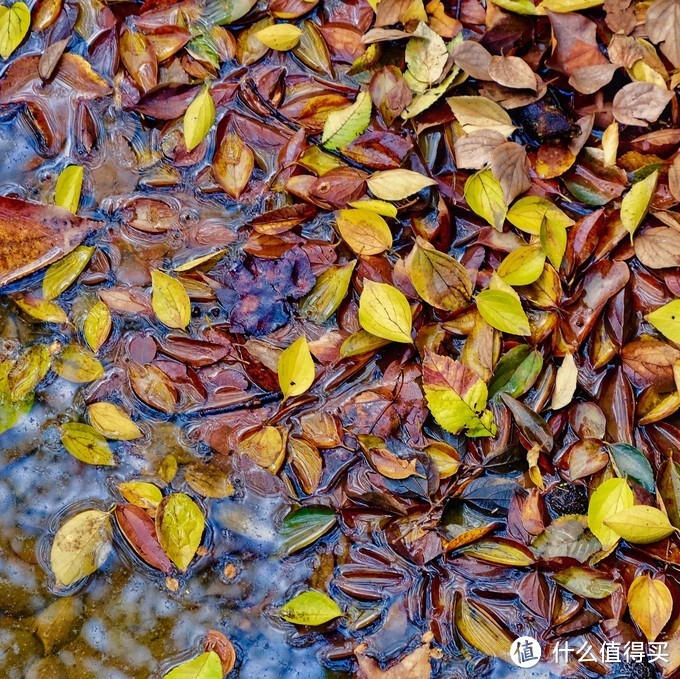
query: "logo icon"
525, 652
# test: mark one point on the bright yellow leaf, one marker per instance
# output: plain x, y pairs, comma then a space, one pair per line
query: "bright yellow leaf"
69, 187
384, 311
484, 195
365, 231
296, 369
170, 300
346, 124
640, 524
199, 118
397, 184
112, 422
610, 498
14, 24
280, 37
636, 202
650, 604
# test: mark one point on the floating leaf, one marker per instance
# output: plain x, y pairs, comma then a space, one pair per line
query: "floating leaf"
307, 462
397, 184
650, 604
384, 312
170, 300
112, 421
522, 266
205, 666
503, 311
139, 530
27, 372
636, 202
311, 609
86, 444
232, 167
42, 310
666, 320
97, 325
266, 447
482, 631
141, 494
365, 231
296, 369
640, 524
69, 186
439, 278
179, 524
199, 118
280, 37
631, 463
60, 275
11, 411
81, 546
328, 292
609, 499
14, 24
304, 526
77, 364
586, 582
456, 396
484, 195
348, 123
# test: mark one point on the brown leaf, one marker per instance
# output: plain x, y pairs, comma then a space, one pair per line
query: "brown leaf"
415, 665
33, 236
663, 26
590, 79
658, 247
509, 166
50, 58
620, 15
217, 642
640, 103
512, 72
574, 43
474, 151
233, 164
390, 93
650, 362
140, 532
474, 59
674, 178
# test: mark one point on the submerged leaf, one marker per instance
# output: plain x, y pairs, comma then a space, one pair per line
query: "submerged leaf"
69, 186
205, 666
310, 608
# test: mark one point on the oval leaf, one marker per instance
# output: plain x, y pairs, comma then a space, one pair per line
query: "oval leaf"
384, 312
311, 609
296, 369
180, 524
170, 300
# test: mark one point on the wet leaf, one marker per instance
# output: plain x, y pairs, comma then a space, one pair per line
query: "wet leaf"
42, 310
304, 526
481, 630
636, 202
397, 184
11, 411
414, 665
179, 524
502, 552
55, 624
528, 213
233, 165
567, 536
631, 463
81, 546
62, 274
385, 312
208, 480
346, 124
328, 293
307, 463
503, 311
553, 236
484, 195
650, 603
68, 189
586, 582
86, 444
311, 609
97, 326
76, 364
205, 666
565, 383
666, 320
153, 387
640, 524
280, 37
266, 447
27, 372
113, 422
15, 21
199, 118
170, 300
522, 266
456, 396
141, 494
516, 372
669, 489
609, 499
365, 231
295, 369
140, 531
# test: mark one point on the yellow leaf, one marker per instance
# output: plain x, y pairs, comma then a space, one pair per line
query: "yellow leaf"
205, 666
380, 206
170, 300
14, 24
77, 364
527, 214
503, 311
384, 312
610, 143
328, 292
69, 187
640, 524
480, 113
310, 609
97, 325
60, 275
636, 202
346, 124
484, 195
28, 371
85, 444
553, 238
610, 498
198, 261
113, 422
81, 546
365, 231
397, 184
280, 37
565, 383
517, 6
199, 118
522, 266
295, 369
266, 447
666, 320
179, 524
563, 6
650, 604
42, 310
426, 54
141, 494
361, 342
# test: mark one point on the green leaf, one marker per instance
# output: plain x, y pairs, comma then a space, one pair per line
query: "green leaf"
526, 7
484, 195
296, 369
179, 524
60, 275
68, 189
438, 278
528, 213
503, 311
346, 124
586, 582
523, 266
311, 609
631, 463
27, 372
81, 546
666, 320
199, 118
636, 202
14, 24
170, 300
456, 396
85, 444
206, 666
640, 524
304, 526
328, 292
553, 236
384, 312
516, 372
611, 498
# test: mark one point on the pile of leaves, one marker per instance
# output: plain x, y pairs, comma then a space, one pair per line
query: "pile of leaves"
413, 266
